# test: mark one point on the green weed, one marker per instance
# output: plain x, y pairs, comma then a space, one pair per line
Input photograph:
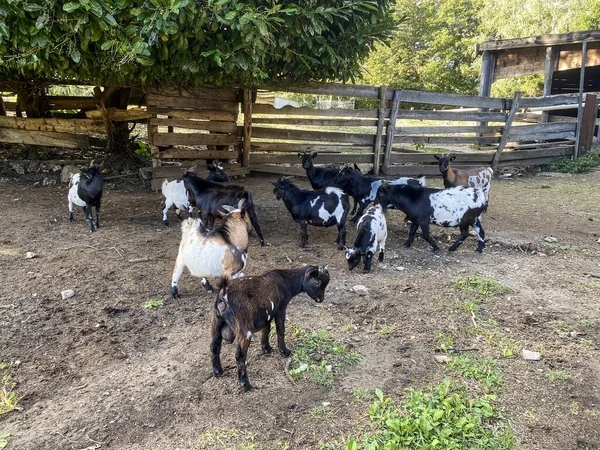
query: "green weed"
322, 413
151, 304
8, 396
446, 341
483, 370
557, 376
4, 440
481, 286
583, 164
230, 439
388, 330
440, 417
362, 394
586, 323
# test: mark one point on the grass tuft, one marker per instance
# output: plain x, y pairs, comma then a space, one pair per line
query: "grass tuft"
481, 286
585, 163
483, 370
151, 304
8, 396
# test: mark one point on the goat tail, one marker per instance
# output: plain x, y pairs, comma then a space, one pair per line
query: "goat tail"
421, 179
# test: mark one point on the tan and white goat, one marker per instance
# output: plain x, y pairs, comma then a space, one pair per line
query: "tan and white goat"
478, 177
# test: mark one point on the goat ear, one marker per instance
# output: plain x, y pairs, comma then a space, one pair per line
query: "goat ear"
212, 166
241, 203
300, 155
314, 155
436, 157
193, 168
228, 210
274, 183
326, 269
311, 272
452, 158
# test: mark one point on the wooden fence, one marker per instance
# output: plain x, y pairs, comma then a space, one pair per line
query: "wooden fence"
189, 127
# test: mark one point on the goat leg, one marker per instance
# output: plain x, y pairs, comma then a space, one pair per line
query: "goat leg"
254, 221
177, 272
363, 204
427, 237
240, 358
266, 347
411, 234
215, 345
280, 326
70, 210
341, 239
368, 260
89, 216
355, 205
464, 233
480, 234
207, 286
97, 214
303, 234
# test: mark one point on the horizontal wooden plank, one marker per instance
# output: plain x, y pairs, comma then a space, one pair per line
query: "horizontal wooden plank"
339, 89
542, 136
166, 139
464, 101
208, 125
448, 130
190, 114
156, 183
544, 40
121, 115
306, 111
526, 162
44, 138
315, 122
71, 102
539, 153
479, 158
542, 145
455, 116
279, 170
212, 93
339, 159
445, 139
412, 170
197, 154
294, 148
319, 136
551, 100
173, 172
524, 130
163, 101
52, 124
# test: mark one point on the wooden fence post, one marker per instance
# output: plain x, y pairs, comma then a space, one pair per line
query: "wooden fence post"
504, 139
580, 110
379, 134
588, 123
247, 108
391, 129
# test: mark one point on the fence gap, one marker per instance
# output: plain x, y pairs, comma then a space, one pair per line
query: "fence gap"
504, 139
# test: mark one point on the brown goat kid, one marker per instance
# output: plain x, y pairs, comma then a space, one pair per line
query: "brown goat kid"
247, 305
479, 177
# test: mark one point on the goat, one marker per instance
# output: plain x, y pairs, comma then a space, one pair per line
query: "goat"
321, 177
320, 208
458, 206
247, 305
372, 232
85, 189
219, 253
175, 194
208, 197
364, 189
480, 177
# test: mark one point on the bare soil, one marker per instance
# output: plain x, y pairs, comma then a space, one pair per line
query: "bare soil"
99, 371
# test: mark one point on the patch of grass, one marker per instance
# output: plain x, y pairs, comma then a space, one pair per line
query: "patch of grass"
553, 248
529, 414
481, 286
151, 304
446, 341
557, 376
588, 343
4, 439
362, 394
230, 439
316, 357
388, 330
483, 370
8, 396
322, 413
585, 163
495, 339
586, 323
560, 325
574, 408
441, 417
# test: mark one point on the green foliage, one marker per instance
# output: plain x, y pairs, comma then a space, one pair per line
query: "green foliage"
151, 304
185, 41
441, 417
143, 150
362, 394
483, 370
557, 376
481, 286
317, 356
4, 440
8, 396
583, 164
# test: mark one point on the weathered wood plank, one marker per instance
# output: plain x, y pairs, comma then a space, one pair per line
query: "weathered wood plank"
544, 40
166, 139
391, 130
315, 122
44, 138
542, 136
465, 101
590, 111
455, 116
552, 100
294, 148
461, 158
71, 102
247, 129
173, 172
51, 124
121, 115
280, 170
543, 145
448, 130
190, 114
208, 125
539, 153
511, 115
339, 159
197, 154
163, 101
381, 121
319, 136
525, 130
343, 90
306, 111
527, 162
445, 139
211, 93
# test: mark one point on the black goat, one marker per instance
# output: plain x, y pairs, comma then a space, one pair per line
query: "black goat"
86, 191
320, 208
364, 188
458, 206
208, 197
247, 305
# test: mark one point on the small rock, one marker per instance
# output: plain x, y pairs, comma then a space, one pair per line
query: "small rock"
317, 357
400, 268
574, 334
67, 294
30, 255
442, 359
326, 404
528, 355
506, 175
56, 168
49, 182
329, 368
360, 290
17, 168
550, 239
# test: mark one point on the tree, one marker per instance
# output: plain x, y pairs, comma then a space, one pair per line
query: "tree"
223, 42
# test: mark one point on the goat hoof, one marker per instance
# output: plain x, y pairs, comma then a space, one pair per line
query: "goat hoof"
217, 373
407, 244
262, 242
340, 247
267, 350
165, 223
366, 270
174, 293
436, 250
286, 352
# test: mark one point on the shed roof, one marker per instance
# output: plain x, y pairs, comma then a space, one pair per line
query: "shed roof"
544, 40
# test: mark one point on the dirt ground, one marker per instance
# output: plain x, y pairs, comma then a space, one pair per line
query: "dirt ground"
99, 371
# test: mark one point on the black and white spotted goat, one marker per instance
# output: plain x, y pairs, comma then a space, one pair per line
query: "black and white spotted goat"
372, 233
320, 208
85, 190
174, 191
459, 206
364, 188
